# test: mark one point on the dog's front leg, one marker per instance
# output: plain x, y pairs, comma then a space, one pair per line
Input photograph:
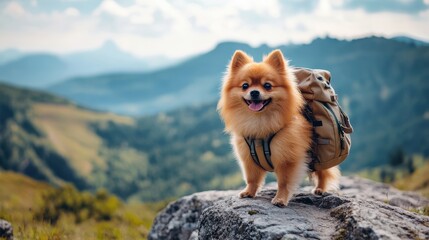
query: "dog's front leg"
288, 179
254, 177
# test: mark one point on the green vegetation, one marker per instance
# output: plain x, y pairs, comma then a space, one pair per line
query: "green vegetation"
38, 211
252, 212
131, 158
83, 206
423, 211
404, 172
186, 151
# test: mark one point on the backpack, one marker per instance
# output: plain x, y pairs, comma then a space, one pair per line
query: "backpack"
331, 126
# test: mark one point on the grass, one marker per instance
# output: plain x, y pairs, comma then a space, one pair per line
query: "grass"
68, 129
21, 198
418, 181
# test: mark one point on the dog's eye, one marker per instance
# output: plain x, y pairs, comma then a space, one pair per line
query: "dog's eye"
267, 86
245, 86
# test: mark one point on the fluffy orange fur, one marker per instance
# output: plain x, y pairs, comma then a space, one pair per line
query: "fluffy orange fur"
281, 115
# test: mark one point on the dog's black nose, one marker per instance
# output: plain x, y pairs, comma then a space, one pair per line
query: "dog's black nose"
254, 94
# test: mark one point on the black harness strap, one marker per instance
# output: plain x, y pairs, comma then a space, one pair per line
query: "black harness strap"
267, 151
251, 143
265, 147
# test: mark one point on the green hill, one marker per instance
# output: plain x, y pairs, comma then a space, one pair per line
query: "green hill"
50, 139
187, 151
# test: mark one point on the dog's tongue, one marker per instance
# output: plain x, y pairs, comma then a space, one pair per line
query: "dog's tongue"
256, 106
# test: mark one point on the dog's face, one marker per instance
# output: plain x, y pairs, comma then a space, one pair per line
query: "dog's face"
258, 95
260, 86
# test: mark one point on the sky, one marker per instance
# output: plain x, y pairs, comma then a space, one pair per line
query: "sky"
179, 28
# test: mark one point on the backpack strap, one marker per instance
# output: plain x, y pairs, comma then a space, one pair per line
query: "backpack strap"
347, 126
312, 152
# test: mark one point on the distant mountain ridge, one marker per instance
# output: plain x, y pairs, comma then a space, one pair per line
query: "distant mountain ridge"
197, 80
43, 69
410, 40
9, 55
187, 83
34, 70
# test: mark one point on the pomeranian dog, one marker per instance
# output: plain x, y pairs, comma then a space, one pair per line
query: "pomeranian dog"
260, 101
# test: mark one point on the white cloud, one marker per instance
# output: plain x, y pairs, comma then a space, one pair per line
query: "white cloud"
53, 32
14, 9
426, 2
185, 27
113, 8
72, 12
354, 23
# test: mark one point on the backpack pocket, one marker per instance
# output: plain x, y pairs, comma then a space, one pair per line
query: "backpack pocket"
331, 142
325, 133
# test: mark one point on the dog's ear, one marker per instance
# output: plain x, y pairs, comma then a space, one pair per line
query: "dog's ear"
239, 59
276, 60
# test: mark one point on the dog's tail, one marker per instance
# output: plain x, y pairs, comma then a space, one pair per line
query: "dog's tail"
326, 180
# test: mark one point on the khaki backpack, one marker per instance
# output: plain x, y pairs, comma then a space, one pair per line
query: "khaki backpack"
331, 126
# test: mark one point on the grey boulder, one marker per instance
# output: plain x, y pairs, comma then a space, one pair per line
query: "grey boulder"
361, 210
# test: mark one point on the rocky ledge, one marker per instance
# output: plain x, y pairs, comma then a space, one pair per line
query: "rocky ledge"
361, 210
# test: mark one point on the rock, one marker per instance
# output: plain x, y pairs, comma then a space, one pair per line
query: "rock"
355, 187
361, 210
6, 230
180, 219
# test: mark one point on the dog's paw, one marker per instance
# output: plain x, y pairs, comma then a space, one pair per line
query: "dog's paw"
246, 194
318, 191
279, 202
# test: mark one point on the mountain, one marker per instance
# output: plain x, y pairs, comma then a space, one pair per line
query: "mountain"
194, 81
409, 40
50, 139
9, 55
191, 82
43, 69
34, 70
107, 58
198, 79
